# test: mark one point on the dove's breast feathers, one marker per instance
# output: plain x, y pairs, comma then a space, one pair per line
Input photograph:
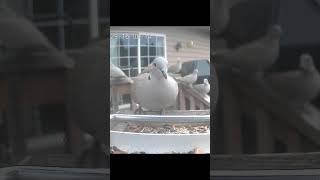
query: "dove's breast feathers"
154, 94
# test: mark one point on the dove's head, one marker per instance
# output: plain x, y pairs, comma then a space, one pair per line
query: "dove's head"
159, 67
205, 81
275, 31
306, 62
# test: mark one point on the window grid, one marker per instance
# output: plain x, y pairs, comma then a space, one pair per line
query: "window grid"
159, 43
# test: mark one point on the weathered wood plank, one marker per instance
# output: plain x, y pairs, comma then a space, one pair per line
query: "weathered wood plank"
265, 161
182, 100
192, 103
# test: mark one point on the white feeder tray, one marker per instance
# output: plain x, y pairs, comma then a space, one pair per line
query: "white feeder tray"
159, 143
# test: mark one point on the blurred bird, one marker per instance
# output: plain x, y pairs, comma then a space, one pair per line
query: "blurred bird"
155, 90
253, 57
203, 88
220, 14
298, 86
116, 72
176, 68
190, 78
25, 48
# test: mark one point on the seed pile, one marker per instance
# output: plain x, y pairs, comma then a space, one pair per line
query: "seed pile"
168, 129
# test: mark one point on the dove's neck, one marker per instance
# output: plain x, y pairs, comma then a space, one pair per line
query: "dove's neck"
156, 74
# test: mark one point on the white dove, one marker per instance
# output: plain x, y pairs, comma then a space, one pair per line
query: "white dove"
203, 88
155, 90
176, 68
298, 86
255, 56
116, 72
190, 78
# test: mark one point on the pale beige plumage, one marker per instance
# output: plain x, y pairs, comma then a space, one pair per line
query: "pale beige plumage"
152, 90
297, 86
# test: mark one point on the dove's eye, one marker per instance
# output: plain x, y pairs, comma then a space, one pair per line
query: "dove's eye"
155, 64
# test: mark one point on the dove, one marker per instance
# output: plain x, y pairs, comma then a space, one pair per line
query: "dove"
155, 90
203, 88
191, 78
116, 72
176, 68
220, 14
24, 48
255, 56
297, 86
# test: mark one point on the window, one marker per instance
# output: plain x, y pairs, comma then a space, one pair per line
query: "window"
66, 25
134, 51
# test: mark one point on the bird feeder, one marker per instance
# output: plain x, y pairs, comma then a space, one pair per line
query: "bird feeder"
133, 142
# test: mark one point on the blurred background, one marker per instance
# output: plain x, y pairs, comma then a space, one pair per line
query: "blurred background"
39, 130
246, 121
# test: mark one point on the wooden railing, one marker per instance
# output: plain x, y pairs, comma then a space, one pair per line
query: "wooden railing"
188, 98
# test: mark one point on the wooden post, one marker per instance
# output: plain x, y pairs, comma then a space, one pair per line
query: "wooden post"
15, 118
231, 120
201, 106
192, 103
114, 99
182, 100
265, 139
293, 140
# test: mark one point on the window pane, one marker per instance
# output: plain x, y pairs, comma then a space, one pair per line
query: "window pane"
114, 40
114, 52
133, 72
126, 72
133, 51
152, 40
160, 41
123, 51
151, 59
143, 40
144, 62
124, 62
144, 51
133, 62
152, 51
133, 40
115, 61
124, 40
160, 51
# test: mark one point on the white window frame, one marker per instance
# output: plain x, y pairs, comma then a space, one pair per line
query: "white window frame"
139, 34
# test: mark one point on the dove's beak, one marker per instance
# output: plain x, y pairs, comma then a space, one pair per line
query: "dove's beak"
164, 74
